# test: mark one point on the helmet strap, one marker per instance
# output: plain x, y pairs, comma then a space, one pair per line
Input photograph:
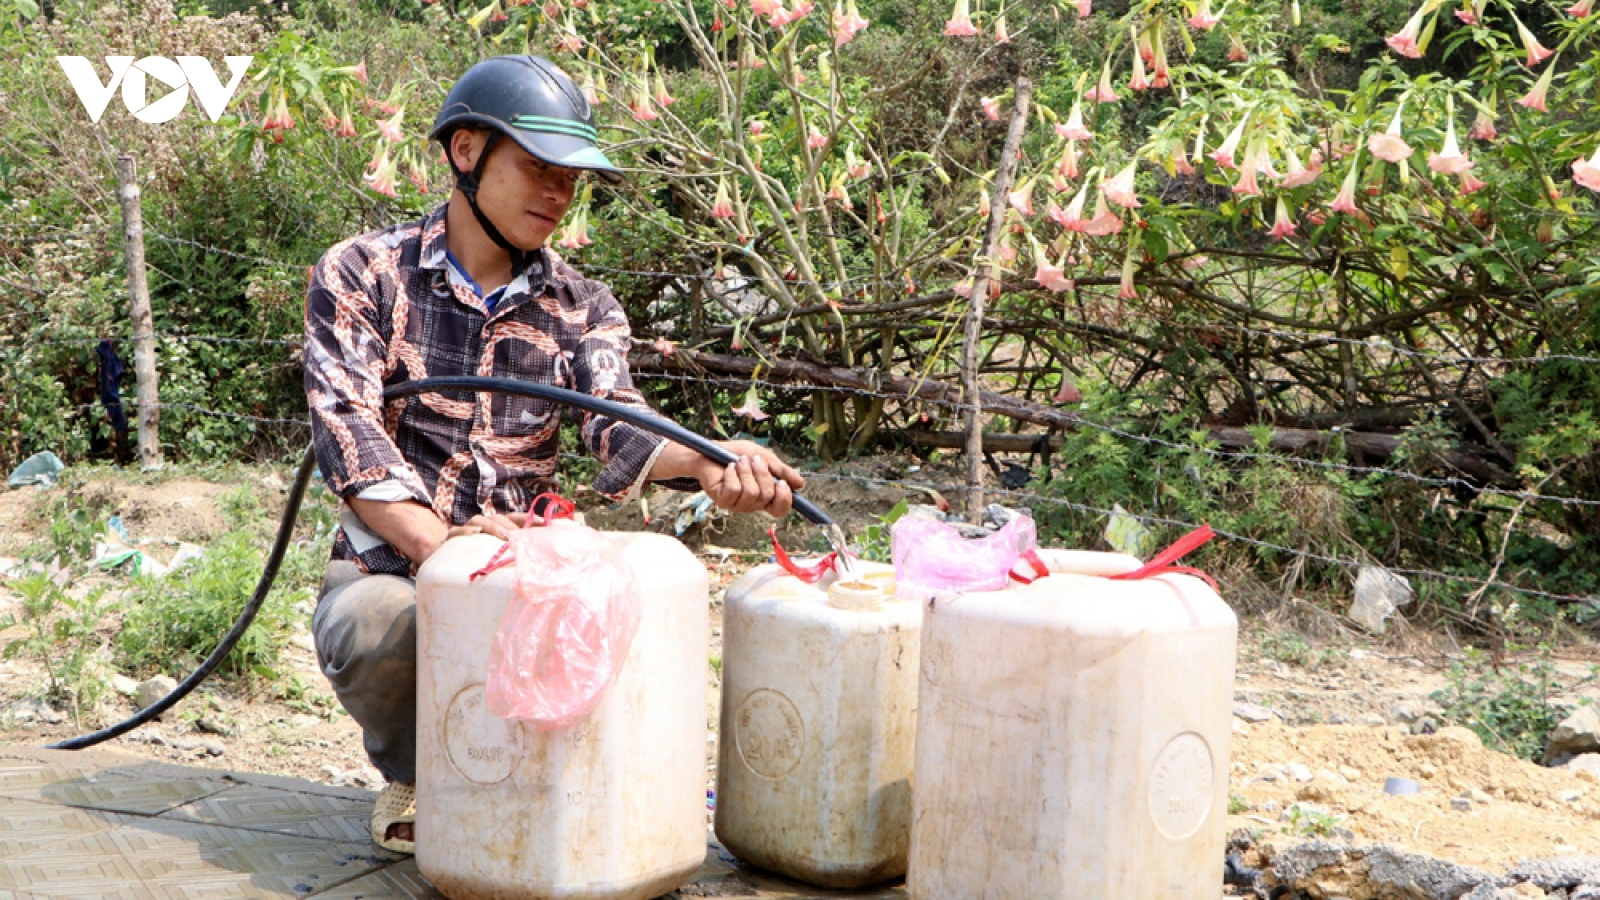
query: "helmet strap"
468, 183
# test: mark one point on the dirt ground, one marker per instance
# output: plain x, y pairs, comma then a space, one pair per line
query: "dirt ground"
1337, 725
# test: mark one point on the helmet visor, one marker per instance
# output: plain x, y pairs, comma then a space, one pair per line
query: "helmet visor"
562, 142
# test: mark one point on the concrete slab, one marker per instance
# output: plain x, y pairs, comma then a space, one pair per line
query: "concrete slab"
99, 824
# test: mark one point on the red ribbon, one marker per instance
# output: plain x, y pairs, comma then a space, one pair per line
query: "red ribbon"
1040, 570
1163, 561
808, 574
559, 507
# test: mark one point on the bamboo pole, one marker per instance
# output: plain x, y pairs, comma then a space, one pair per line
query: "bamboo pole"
971, 353
144, 339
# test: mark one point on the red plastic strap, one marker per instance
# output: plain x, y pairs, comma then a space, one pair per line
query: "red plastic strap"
1163, 561
809, 574
499, 560
559, 507
1040, 570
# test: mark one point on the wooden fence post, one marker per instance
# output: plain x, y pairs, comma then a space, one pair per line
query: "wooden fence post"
144, 338
972, 355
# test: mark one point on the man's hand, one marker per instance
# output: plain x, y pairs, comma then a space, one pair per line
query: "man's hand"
417, 532
495, 525
759, 482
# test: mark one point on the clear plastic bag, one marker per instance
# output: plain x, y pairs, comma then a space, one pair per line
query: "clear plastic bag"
932, 557
566, 632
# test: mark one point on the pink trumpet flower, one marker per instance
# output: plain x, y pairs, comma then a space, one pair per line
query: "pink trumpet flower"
1180, 163
1404, 42
1049, 276
1389, 145
1236, 50
1068, 166
815, 139
960, 24
570, 41
1483, 126
1345, 202
390, 127
1104, 221
1146, 47
1163, 77
855, 168
1126, 290
640, 107
1001, 35
590, 92
1021, 199
1084, 8
1471, 11
1581, 9
781, 17
751, 408
663, 98
1587, 171
1102, 92
1536, 98
1537, 52
756, 128
1223, 155
1282, 224
1470, 185
765, 7
722, 206
1119, 188
1137, 81
1449, 160
1074, 130
991, 108
1071, 218
1247, 185
1203, 20
848, 24
381, 178
1298, 175
347, 126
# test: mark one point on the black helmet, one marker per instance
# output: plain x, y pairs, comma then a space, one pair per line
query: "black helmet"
531, 101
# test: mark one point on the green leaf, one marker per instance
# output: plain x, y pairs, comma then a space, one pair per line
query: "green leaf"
1155, 243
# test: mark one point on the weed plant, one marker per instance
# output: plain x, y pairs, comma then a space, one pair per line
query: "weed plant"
62, 635
1511, 710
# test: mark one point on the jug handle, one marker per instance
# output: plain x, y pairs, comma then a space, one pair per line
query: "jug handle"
559, 507
1163, 561
807, 574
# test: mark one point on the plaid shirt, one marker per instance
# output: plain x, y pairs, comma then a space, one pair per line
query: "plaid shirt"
382, 309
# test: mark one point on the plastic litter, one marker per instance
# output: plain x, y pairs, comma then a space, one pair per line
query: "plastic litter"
1379, 595
39, 469
932, 557
1401, 786
1126, 534
566, 631
695, 508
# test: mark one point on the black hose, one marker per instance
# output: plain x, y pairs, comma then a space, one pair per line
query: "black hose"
302, 479
654, 424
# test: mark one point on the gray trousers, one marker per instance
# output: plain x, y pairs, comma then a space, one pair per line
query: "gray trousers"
365, 629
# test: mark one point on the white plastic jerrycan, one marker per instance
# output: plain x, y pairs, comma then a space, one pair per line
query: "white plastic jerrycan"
1072, 738
819, 696
611, 808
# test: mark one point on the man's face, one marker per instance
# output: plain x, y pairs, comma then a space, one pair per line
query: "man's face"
524, 198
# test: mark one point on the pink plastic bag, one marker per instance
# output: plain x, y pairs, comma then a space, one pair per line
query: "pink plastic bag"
933, 557
566, 632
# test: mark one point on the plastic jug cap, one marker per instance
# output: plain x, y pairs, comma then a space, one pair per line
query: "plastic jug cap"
861, 596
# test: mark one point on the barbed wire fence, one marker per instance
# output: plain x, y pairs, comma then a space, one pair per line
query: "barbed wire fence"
44, 336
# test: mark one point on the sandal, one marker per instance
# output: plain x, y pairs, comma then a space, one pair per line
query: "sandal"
396, 805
